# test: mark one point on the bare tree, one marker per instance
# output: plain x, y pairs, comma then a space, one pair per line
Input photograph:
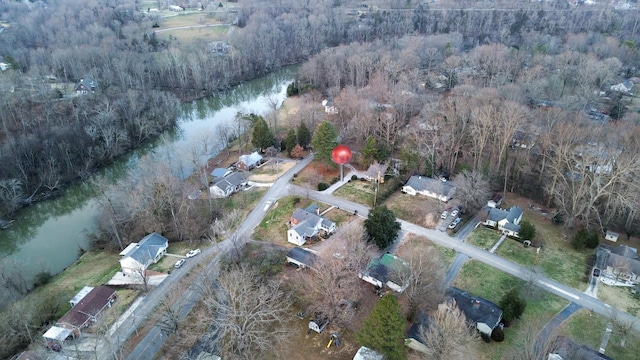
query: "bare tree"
424, 276
449, 336
531, 344
334, 287
248, 315
622, 327
472, 189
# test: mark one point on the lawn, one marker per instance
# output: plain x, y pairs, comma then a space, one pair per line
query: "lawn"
273, 227
558, 259
205, 34
357, 191
514, 250
419, 210
491, 284
619, 297
483, 237
588, 328
191, 19
315, 173
413, 241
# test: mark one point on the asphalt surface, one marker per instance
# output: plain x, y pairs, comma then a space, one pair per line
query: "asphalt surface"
150, 345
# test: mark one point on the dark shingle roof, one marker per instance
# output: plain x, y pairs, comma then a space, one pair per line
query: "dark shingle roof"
421, 183
476, 309
148, 248
303, 256
89, 306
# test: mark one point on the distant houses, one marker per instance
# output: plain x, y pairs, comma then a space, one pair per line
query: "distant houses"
85, 86
423, 185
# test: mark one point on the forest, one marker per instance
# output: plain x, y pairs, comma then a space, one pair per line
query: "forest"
457, 85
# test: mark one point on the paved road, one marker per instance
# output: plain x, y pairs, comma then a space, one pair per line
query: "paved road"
490, 259
153, 341
541, 345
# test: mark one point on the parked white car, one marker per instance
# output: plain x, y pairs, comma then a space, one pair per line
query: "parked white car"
454, 212
193, 253
444, 215
179, 263
454, 223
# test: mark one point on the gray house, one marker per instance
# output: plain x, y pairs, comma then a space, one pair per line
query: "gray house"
225, 186
303, 258
138, 256
307, 223
248, 162
482, 313
622, 263
506, 220
423, 185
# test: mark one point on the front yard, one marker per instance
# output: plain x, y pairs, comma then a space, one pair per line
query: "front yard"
483, 237
418, 209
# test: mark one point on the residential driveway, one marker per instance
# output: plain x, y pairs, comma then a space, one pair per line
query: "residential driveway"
547, 332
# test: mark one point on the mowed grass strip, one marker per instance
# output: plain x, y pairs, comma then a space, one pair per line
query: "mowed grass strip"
187, 20
515, 251
483, 237
206, 34
491, 284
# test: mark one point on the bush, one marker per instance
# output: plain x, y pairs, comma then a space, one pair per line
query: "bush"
497, 335
585, 238
592, 241
354, 177
41, 278
323, 186
335, 180
296, 200
512, 305
527, 230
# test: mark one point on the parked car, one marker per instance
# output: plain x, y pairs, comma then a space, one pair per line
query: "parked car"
179, 263
444, 215
596, 272
193, 253
454, 212
454, 223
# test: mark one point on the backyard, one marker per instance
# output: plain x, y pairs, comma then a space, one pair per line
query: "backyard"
491, 284
419, 210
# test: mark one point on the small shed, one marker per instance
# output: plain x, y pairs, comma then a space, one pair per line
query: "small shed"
303, 258
611, 236
57, 333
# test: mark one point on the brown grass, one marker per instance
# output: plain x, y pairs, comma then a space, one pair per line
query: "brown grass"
420, 210
315, 173
205, 34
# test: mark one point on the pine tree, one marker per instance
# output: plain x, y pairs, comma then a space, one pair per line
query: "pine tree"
381, 226
262, 135
527, 230
304, 135
512, 305
383, 330
325, 138
369, 151
291, 141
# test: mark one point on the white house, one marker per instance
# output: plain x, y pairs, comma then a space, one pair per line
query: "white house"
224, 187
329, 106
307, 223
138, 256
386, 271
427, 186
507, 221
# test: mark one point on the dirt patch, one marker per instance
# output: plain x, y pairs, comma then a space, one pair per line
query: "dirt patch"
271, 171
315, 173
420, 210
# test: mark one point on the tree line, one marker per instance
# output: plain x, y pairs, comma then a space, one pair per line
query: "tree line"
138, 73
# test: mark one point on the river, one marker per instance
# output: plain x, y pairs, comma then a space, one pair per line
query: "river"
49, 235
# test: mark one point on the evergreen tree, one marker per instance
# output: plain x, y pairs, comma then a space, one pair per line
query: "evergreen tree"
304, 135
527, 230
325, 138
262, 135
512, 305
369, 151
381, 226
383, 329
291, 141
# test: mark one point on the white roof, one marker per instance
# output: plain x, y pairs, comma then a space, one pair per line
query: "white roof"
364, 353
128, 249
57, 333
80, 295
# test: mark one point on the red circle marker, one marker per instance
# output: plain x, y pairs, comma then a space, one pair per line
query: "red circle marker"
341, 154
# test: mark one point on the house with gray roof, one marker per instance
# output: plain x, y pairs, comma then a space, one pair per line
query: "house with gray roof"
225, 186
85, 86
302, 258
376, 172
481, 313
138, 256
220, 172
248, 162
307, 223
622, 264
506, 220
424, 185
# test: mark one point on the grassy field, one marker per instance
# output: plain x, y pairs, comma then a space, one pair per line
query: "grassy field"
483, 237
206, 34
619, 297
514, 250
361, 192
413, 241
558, 259
419, 210
491, 284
